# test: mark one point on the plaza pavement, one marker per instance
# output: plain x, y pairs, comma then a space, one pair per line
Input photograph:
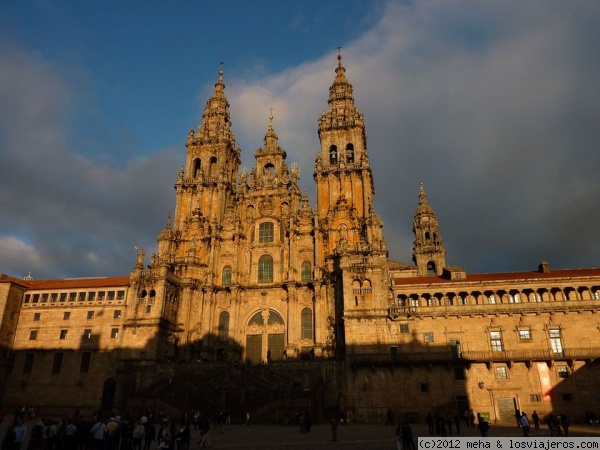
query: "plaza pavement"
350, 437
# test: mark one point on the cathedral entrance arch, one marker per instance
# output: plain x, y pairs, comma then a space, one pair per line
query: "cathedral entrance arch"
265, 337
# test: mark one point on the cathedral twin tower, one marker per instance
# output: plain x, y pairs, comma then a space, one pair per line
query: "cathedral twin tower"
248, 270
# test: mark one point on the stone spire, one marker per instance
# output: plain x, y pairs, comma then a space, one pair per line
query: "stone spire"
216, 121
429, 253
341, 112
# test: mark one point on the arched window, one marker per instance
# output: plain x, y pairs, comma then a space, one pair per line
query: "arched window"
350, 153
265, 269
213, 167
427, 236
306, 324
224, 326
269, 169
226, 278
306, 271
197, 168
266, 232
431, 270
333, 155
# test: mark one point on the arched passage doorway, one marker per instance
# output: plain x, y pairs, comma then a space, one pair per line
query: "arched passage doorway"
265, 337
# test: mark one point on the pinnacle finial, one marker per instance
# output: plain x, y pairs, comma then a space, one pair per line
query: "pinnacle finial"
339, 56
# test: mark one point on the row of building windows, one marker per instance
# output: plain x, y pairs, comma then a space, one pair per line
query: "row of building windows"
67, 315
57, 362
265, 271
87, 334
496, 338
62, 297
492, 297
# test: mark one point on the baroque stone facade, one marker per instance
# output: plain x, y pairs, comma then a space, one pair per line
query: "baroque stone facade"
247, 272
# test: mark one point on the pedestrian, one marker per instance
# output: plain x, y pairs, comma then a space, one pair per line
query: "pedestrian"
565, 423
524, 422
247, 422
389, 417
334, 425
483, 427
429, 420
536, 420
399, 438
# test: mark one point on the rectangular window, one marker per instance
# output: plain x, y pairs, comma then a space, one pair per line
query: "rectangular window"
496, 341
525, 334
72, 296
87, 333
148, 309
84, 366
111, 295
36, 316
459, 374
27, 298
44, 298
66, 315
117, 314
120, 295
534, 398
33, 335
28, 364
266, 232
36, 298
57, 363
114, 333
404, 328
54, 297
63, 297
428, 337
63, 334
101, 295
562, 370
90, 314
501, 373
91, 296
82, 296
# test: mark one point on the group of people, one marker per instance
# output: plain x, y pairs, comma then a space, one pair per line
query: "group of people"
443, 423
108, 432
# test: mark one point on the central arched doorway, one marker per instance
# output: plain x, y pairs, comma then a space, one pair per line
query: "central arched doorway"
265, 337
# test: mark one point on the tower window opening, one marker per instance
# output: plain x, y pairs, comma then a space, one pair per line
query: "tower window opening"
333, 155
213, 167
431, 269
197, 168
350, 153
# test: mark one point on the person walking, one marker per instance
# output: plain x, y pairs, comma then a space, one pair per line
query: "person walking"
334, 425
524, 422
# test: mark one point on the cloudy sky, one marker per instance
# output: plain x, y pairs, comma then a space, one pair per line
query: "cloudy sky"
494, 105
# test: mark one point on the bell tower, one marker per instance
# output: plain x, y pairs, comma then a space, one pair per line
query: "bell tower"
343, 175
429, 253
205, 188
349, 243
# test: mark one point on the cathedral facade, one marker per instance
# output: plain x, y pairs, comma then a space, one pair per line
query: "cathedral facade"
247, 272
